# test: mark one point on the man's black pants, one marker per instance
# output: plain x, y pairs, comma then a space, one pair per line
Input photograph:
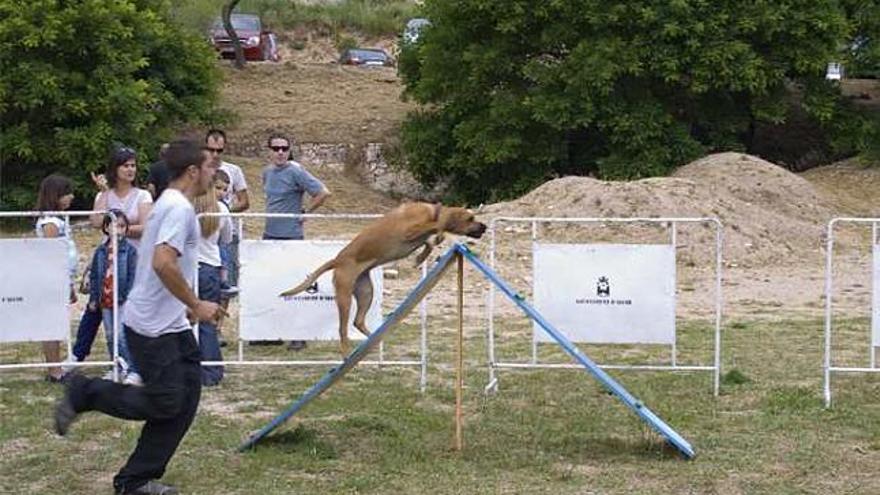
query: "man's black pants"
171, 370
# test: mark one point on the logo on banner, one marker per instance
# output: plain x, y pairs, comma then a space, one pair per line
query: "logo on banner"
312, 293
603, 291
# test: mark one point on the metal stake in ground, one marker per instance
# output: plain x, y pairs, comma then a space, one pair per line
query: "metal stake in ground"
459, 364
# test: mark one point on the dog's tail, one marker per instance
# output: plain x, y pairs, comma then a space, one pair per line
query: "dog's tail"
311, 279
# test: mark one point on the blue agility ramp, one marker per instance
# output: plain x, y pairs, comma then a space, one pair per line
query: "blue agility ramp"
424, 286
604, 378
332, 376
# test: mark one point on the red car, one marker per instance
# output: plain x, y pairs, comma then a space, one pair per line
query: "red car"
257, 42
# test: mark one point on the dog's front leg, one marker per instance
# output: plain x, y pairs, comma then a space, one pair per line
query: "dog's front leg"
429, 245
426, 251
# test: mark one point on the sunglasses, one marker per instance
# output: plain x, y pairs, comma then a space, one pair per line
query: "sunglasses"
214, 150
279, 148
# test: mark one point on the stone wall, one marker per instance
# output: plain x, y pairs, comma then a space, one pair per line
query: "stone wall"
367, 162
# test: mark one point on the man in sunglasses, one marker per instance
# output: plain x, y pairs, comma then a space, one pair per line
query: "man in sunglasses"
286, 182
237, 193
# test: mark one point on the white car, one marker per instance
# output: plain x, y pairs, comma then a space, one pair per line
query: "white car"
414, 28
834, 72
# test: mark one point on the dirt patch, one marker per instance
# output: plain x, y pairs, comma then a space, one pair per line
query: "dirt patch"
851, 186
312, 102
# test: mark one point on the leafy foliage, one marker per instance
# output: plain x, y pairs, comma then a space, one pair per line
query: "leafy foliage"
79, 76
370, 17
516, 92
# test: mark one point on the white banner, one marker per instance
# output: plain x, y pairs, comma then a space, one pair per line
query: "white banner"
35, 291
875, 302
271, 267
606, 293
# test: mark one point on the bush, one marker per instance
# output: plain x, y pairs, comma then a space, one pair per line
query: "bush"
514, 93
79, 76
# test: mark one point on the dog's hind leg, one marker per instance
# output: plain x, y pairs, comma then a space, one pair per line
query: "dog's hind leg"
343, 281
363, 295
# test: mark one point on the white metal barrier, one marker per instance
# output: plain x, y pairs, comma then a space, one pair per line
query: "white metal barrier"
672, 223
828, 365
240, 360
115, 330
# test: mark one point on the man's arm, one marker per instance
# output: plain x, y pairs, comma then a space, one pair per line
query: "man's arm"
168, 271
317, 200
242, 201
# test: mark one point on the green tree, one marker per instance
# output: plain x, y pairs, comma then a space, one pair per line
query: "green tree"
518, 91
76, 77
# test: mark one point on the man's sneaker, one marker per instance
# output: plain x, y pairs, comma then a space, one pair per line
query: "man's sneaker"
68, 365
65, 414
150, 488
133, 378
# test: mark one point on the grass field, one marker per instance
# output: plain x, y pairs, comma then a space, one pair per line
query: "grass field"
543, 432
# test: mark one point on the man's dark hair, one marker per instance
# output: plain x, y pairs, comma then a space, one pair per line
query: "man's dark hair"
278, 135
215, 133
181, 155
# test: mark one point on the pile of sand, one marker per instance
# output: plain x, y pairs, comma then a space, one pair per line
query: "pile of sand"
770, 215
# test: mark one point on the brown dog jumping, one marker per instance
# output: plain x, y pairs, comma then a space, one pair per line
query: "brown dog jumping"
392, 237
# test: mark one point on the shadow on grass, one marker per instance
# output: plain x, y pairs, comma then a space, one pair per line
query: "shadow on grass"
607, 447
301, 440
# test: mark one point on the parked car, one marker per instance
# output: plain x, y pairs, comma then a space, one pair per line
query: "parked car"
414, 28
366, 56
257, 42
834, 72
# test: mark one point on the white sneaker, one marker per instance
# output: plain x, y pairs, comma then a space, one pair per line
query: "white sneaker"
123, 366
68, 366
133, 378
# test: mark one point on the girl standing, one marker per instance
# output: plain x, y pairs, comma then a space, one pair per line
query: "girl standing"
56, 194
214, 229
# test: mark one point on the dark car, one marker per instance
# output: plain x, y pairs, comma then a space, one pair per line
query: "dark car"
257, 42
366, 56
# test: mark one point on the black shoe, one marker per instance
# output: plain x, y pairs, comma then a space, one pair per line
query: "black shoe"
150, 488
65, 414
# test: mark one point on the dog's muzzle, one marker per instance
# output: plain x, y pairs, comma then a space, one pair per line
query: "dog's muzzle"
476, 231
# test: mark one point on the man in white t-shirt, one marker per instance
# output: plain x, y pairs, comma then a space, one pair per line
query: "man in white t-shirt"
158, 330
236, 197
